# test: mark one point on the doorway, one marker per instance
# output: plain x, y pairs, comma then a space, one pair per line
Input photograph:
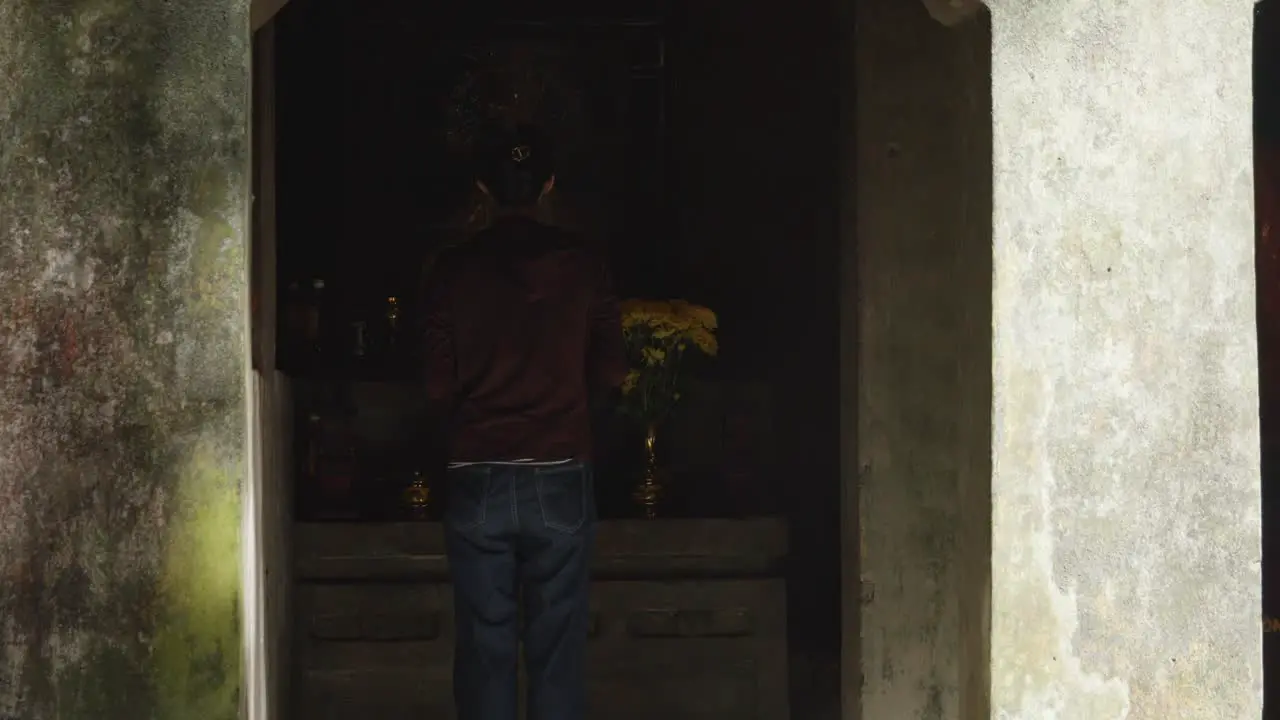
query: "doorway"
357, 184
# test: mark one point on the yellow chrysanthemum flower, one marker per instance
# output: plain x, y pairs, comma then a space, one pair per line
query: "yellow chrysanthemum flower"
629, 382
705, 340
644, 312
704, 316
660, 331
654, 356
692, 316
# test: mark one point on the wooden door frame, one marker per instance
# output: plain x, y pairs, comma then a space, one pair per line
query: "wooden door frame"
267, 517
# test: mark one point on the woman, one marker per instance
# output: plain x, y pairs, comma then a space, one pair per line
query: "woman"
521, 327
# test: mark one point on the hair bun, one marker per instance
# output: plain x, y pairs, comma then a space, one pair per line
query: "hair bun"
514, 163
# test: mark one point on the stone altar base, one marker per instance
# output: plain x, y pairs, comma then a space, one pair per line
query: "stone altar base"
689, 621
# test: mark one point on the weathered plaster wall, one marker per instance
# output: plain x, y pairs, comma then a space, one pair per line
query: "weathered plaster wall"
922, 286
122, 270
1126, 486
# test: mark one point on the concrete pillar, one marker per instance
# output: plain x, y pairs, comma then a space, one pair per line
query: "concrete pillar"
123, 205
1126, 488
1056, 479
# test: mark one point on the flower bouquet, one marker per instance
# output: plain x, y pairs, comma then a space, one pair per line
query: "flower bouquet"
660, 336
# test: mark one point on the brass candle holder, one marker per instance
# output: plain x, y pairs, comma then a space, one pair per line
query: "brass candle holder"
393, 319
418, 496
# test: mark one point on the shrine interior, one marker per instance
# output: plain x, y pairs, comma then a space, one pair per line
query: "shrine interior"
697, 142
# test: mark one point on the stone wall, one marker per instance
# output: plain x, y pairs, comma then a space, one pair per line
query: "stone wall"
123, 146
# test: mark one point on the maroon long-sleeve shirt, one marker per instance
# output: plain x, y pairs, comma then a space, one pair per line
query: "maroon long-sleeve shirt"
521, 327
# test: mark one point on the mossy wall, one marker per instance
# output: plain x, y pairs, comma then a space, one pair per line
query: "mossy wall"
123, 150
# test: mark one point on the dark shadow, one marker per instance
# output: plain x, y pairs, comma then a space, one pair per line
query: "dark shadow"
1266, 106
918, 397
975, 375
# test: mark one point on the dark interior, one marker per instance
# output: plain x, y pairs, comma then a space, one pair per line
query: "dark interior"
696, 141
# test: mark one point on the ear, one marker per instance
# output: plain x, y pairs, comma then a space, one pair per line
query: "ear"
483, 188
549, 185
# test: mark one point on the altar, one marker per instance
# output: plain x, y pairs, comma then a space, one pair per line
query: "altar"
688, 621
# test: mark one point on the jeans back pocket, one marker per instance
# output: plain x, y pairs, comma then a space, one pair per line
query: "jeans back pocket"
468, 496
563, 496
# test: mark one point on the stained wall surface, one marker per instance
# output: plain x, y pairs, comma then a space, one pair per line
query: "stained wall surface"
1057, 475
1057, 403
1126, 504
123, 203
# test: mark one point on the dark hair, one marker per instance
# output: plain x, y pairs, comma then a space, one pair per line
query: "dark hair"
514, 164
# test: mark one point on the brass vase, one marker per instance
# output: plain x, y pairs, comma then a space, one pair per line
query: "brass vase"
417, 497
648, 493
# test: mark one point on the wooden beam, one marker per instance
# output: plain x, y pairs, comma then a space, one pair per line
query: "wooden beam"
261, 11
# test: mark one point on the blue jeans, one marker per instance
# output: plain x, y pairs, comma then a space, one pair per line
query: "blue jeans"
520, 533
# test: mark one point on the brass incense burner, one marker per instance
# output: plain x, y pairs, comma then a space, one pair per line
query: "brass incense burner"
417, 497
